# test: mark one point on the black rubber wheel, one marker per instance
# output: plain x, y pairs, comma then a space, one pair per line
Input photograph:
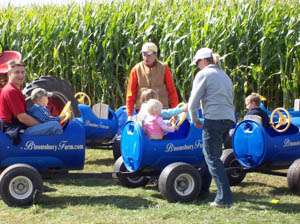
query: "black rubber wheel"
130, 182
227, 140
20, 185
62, 92
234, 170
116, 147
293, 177
180, 182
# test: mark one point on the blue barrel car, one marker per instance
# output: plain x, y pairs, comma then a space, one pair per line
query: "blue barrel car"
99, 130
260, 149
21, 164
177, 161
122, 117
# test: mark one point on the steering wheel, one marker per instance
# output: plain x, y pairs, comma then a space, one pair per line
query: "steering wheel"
284, 119
176, 121
83, 98
66, 113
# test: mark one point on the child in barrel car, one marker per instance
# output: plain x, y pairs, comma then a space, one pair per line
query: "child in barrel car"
252, 104
153, 124
148, 94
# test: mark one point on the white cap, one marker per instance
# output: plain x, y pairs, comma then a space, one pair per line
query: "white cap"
149, 47
39, 92
201, 54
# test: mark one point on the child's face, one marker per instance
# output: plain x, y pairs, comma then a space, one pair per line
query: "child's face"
43, 101
155, 112
250, 105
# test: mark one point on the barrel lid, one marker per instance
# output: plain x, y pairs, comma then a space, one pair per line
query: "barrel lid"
131, 145
249, 144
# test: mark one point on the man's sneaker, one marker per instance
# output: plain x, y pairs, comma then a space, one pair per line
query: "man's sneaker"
219, 205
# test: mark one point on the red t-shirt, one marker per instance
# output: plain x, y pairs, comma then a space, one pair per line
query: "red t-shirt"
12, 103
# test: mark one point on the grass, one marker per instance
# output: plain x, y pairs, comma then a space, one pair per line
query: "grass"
91, 196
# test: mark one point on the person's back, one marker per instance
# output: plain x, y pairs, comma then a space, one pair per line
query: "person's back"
217, 96
213, 88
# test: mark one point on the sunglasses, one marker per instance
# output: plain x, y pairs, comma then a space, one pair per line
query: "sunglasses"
145, 54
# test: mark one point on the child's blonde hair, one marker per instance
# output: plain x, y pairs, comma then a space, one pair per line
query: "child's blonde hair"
216, 58
154, 106
253, 97
148, 94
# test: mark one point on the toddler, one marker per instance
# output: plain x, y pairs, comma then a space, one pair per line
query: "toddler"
148, 94
153, 124
252, 104
39, 111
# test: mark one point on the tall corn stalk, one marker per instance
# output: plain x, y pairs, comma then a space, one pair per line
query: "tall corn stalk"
95, 46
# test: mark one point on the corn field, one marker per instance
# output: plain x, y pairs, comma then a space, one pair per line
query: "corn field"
95, 46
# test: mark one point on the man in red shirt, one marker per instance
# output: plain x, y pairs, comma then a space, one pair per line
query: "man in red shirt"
13, 107
150, 74
12, 101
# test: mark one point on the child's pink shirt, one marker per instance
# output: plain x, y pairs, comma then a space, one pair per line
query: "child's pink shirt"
155, 127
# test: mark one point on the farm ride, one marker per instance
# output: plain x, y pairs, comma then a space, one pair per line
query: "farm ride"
267, 150
22, 164
177, 161
98, 130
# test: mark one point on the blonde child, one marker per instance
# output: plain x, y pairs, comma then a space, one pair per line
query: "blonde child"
40, 112
148, 94
153, 124
252, 103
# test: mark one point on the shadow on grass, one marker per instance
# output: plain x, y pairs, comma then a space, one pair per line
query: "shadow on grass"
253, 183
120, 201
281, 191
202, 198
263, 202
101, 162
84, 179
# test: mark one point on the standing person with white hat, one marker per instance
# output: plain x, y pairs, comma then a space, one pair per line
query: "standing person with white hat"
213, 88
150, 74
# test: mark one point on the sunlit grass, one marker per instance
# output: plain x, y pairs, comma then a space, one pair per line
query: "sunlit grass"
91, 196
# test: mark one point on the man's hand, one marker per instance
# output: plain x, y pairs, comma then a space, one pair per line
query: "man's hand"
198, 124
185, 107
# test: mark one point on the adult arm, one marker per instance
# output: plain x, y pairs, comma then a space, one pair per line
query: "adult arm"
197, 94
168, 113
27, 119
172, 92
131, 94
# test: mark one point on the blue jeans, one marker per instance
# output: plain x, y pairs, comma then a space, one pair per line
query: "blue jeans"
46, 128
213, 131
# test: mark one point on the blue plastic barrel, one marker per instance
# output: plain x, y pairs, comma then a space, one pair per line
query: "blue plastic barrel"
122, 117
255, 146
97, 128
139, 152
64, 151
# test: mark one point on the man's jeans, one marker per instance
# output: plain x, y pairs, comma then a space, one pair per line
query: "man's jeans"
47, 128
213, 131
